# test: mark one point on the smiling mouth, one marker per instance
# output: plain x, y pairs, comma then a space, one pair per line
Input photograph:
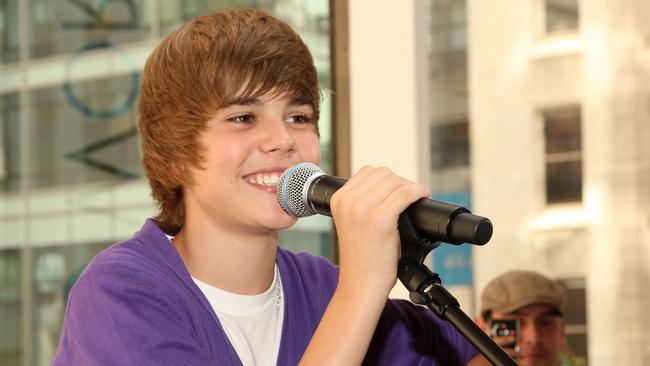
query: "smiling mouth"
264, 179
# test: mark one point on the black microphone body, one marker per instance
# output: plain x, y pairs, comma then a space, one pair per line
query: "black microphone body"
436, 220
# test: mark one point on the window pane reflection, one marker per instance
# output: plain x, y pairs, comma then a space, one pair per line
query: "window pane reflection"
72, 143
564, 182
9, 32
63, 26
562, 129
448, 106
449, 145
561, 15
10, 307
9, 142
304, 16
54, 271
562, 135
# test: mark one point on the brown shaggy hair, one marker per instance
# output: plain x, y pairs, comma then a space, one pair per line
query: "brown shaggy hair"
215, 58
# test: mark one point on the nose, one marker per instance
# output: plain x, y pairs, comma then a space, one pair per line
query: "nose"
276, 137
529, 334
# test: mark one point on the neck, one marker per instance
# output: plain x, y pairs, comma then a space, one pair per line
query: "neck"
242, 264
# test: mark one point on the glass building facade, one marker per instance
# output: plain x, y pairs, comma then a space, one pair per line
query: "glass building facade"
71, 182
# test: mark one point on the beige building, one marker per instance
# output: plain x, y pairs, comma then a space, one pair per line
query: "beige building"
527, 83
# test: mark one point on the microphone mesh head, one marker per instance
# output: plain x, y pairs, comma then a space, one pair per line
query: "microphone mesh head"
292, 189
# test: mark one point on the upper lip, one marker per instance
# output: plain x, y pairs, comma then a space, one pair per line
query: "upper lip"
267, 171
530, 354
266, 177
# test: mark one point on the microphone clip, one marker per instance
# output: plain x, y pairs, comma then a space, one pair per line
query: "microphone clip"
414, 245
424, 285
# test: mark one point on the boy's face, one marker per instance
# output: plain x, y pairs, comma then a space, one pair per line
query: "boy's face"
247, 146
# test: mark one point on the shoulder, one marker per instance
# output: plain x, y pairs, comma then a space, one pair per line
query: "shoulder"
133, 271
143, 271
132, 292
119, 267
131, 276
147, 257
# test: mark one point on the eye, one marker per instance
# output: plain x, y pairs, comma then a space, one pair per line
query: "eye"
242, 118
300, 118
547, 323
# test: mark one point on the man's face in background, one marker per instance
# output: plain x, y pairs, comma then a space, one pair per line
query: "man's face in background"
541, 334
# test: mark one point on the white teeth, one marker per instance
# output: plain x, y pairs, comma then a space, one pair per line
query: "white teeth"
268, 179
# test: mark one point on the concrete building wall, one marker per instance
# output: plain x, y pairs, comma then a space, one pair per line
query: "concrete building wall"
515, 72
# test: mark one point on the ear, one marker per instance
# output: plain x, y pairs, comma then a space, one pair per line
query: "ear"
563, 333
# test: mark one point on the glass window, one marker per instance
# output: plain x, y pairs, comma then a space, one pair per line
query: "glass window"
448, 25
575, 352
449, 145
54, 271
561, 15
563, 155
9, 32
84, 132
176, 12
448, 107
305, 16
63, 26
10, 307
10, 142
449, 127
11, 229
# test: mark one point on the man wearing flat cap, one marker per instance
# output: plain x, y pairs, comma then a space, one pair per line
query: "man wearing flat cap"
538, 304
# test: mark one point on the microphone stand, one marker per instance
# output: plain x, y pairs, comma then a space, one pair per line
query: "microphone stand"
426, 289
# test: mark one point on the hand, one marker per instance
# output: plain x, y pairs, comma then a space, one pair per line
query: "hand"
365, 211
507, 344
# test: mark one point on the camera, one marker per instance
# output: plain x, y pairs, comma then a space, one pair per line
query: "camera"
505, 327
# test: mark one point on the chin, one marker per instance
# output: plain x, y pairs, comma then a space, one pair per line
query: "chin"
536, 361
288, 223
280, 221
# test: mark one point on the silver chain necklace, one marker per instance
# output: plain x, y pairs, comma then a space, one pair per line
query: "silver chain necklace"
278, 288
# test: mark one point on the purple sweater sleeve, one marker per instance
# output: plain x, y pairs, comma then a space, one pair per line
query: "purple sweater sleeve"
408, 334
115, 316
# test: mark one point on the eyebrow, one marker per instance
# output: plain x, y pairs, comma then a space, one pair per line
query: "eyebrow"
546, 313
299, 101
258, 101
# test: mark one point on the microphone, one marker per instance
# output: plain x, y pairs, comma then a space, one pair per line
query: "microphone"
305, 190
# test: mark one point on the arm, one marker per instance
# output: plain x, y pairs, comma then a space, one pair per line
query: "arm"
365, 212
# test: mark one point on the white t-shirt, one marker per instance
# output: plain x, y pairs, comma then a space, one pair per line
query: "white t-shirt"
253, 323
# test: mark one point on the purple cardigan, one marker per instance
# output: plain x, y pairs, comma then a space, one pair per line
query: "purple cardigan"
136, 304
